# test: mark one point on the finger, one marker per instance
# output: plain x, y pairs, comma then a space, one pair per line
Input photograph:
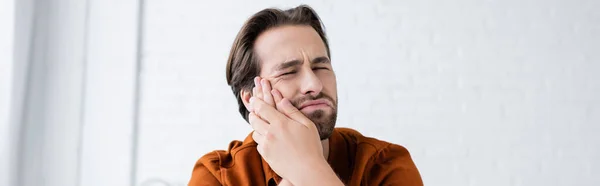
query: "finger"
266, 91
258, 138
258, 87
286, 107
259, 125
285, 182
266, 112
276, 95
250, 109
260, 149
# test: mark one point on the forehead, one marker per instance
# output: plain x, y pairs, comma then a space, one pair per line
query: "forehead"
284, 43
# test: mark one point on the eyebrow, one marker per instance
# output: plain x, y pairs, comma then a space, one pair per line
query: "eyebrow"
296, 62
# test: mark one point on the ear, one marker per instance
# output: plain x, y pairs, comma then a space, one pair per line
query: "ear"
246, 95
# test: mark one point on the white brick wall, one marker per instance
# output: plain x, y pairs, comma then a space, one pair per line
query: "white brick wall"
480, 92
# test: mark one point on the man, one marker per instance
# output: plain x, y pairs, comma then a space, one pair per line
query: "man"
280, 72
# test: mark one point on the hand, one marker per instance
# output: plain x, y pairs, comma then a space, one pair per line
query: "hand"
264, 93
286, 139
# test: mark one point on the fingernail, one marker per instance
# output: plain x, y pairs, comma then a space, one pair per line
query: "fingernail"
251, 100
256, 81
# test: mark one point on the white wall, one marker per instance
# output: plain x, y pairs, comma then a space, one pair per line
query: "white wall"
109, 111
480, 92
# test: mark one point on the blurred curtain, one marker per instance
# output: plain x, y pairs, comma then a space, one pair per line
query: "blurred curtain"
72, 93
6, 68
46, 108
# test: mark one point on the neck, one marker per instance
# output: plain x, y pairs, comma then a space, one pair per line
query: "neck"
325, 145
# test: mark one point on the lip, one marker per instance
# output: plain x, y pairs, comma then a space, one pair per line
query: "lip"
314, 102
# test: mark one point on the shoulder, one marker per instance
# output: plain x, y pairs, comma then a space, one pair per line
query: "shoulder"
384, 162
224, 158
378, 151
356, 138
211, 168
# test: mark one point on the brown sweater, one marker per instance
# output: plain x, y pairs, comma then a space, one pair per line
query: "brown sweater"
356, 159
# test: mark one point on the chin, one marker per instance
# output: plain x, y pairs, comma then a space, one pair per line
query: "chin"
324, 121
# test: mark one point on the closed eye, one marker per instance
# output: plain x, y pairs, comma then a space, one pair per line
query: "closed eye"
320, 68
288, 73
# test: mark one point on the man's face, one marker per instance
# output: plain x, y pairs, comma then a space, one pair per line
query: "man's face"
294, 59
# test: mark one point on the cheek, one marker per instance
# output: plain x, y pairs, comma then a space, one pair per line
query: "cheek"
286, 88
329, 83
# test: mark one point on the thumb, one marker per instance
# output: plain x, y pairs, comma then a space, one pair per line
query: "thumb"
292, 112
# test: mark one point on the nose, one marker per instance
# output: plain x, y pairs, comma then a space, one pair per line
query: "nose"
311, 84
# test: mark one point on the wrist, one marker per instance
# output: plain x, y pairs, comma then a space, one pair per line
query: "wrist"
317, 173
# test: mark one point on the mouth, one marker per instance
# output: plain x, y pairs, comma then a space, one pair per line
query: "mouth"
314, 104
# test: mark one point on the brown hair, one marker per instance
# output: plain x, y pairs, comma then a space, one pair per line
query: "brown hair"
243, 64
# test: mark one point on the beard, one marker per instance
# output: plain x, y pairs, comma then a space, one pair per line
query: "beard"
325, 122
